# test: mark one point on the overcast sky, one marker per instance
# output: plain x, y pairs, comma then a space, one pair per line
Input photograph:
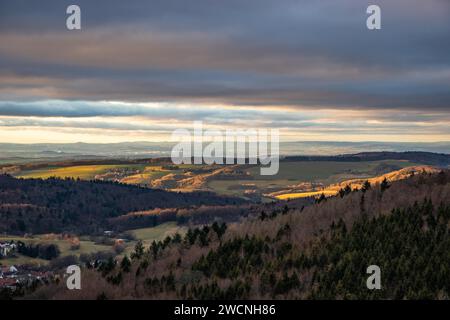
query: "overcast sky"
139, 69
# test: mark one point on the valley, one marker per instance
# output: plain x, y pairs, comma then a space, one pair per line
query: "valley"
295, 251
87, 212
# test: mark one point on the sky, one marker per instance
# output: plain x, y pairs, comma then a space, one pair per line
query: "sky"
139, 69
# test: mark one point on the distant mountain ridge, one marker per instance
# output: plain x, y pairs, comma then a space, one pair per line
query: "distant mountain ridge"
438, 159
163, 149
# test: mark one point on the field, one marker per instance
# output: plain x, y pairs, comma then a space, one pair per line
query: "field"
288, 196
328, 171
149, 173
308, 177
87, 172
148, 235
157, 233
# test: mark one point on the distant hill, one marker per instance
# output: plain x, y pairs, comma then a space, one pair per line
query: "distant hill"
390, 177
333, 189
430, 158
19, 153
56, 205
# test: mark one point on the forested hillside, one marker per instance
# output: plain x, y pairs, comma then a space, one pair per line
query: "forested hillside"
56, 205
318, 252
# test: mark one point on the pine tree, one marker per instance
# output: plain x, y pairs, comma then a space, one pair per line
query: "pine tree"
347, 189
321, 198
125, 264
138, 251
384, 185
365, 186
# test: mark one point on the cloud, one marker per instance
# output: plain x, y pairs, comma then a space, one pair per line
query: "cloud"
139, 69
162, 118
304, 54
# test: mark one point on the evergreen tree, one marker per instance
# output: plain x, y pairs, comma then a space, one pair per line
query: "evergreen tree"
365, 186
384, 185
125, 264
138, 251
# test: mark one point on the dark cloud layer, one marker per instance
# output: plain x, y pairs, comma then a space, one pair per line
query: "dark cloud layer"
253, 52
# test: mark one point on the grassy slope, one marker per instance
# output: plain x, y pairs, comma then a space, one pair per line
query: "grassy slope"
159, 232
150, 173
148, 235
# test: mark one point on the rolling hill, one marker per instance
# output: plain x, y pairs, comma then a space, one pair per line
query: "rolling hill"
334, 189
57, 205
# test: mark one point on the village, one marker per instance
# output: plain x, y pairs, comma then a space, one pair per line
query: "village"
12, 277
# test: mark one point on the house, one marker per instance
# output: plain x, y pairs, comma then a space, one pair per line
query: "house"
108, 233
6, 248
13, 269
3, 271
8, 283
8, 271
11, 277
39, 275
119, 242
